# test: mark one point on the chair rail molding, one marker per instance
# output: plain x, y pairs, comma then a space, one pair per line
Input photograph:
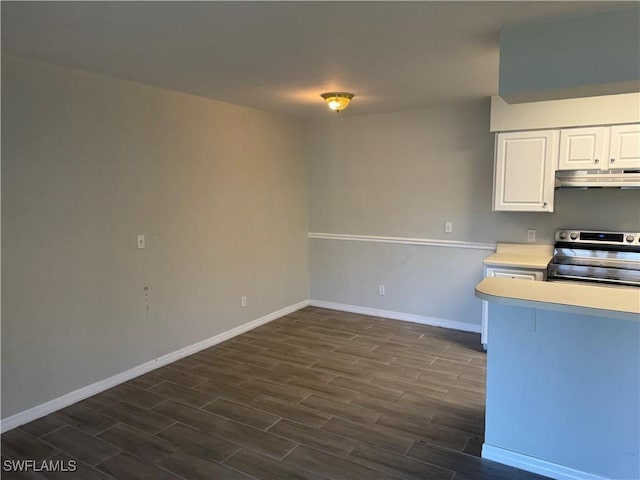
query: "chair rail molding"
427, 242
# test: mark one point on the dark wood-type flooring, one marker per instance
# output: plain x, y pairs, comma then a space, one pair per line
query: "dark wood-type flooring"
316, 394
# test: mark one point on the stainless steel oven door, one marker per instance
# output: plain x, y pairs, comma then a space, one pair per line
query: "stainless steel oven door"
593, 274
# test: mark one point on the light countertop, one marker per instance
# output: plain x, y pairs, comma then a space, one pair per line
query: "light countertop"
520, 255
606, 301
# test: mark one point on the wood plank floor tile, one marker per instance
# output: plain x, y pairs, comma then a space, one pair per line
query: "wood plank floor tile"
145, 381
78, 444
258, 360
305, 373
275, 343
103, 400
142, 445
217, 372
242, 414
42, 426
191, 416
341, 409
393, 411
243, 347
334, 467
474, 446
479, 361
138, 417
331, 333
265, 442
389, 369
368, 389
19, 445
292, 411
459, 424
432, 406
289, 392
427, 390
314, 437
399, 465
192, 441
182, 394
467, 467
136, 396
82, 470
265, 468
191, 467
343, 369
186, 379
324, 389
127, 467
290, 357
522, 475
310, 345
84, 419
376, 435
338, 356
314, 394
424, 367
424, 430
237, 395
16, 470
246, 371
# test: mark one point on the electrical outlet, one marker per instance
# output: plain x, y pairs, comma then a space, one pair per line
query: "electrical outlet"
243, 302
448, 227
381, 290
531, 235
140, 241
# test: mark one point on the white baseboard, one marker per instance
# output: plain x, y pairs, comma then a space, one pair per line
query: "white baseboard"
407, 317
70, 398
535, 465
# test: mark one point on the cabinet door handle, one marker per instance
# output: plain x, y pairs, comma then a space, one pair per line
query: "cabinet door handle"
613, 160
545, 204
596, 160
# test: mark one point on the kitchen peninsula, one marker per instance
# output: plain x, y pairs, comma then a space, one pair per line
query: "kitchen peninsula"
563, 378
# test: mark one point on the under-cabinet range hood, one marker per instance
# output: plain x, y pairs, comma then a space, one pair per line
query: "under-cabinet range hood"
598, 179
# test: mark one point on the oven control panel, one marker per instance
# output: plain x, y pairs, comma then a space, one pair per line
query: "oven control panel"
589, 236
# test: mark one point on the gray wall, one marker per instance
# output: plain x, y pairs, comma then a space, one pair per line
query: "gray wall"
404, 175
87, 164
224, 197
571, 57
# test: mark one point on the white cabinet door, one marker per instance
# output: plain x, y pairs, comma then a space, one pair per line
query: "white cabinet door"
524, 171
624, 149
582, 148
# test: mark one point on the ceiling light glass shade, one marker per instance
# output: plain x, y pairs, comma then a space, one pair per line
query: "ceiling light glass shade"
337, 100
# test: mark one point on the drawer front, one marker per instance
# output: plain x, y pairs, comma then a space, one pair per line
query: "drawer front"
516, 274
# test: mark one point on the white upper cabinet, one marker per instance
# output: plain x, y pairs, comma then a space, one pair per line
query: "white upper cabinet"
525, 171
600, 148
581, 148
624, 147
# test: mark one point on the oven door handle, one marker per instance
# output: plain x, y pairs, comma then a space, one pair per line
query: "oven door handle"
553, 276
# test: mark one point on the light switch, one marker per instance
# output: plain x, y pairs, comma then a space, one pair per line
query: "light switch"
448, 227
141, 241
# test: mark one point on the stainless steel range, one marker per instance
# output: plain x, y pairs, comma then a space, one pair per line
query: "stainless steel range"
601, 257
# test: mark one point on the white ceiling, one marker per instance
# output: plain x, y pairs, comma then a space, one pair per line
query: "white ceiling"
279, 56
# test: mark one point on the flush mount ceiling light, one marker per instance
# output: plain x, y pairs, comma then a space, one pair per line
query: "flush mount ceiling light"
337, 100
